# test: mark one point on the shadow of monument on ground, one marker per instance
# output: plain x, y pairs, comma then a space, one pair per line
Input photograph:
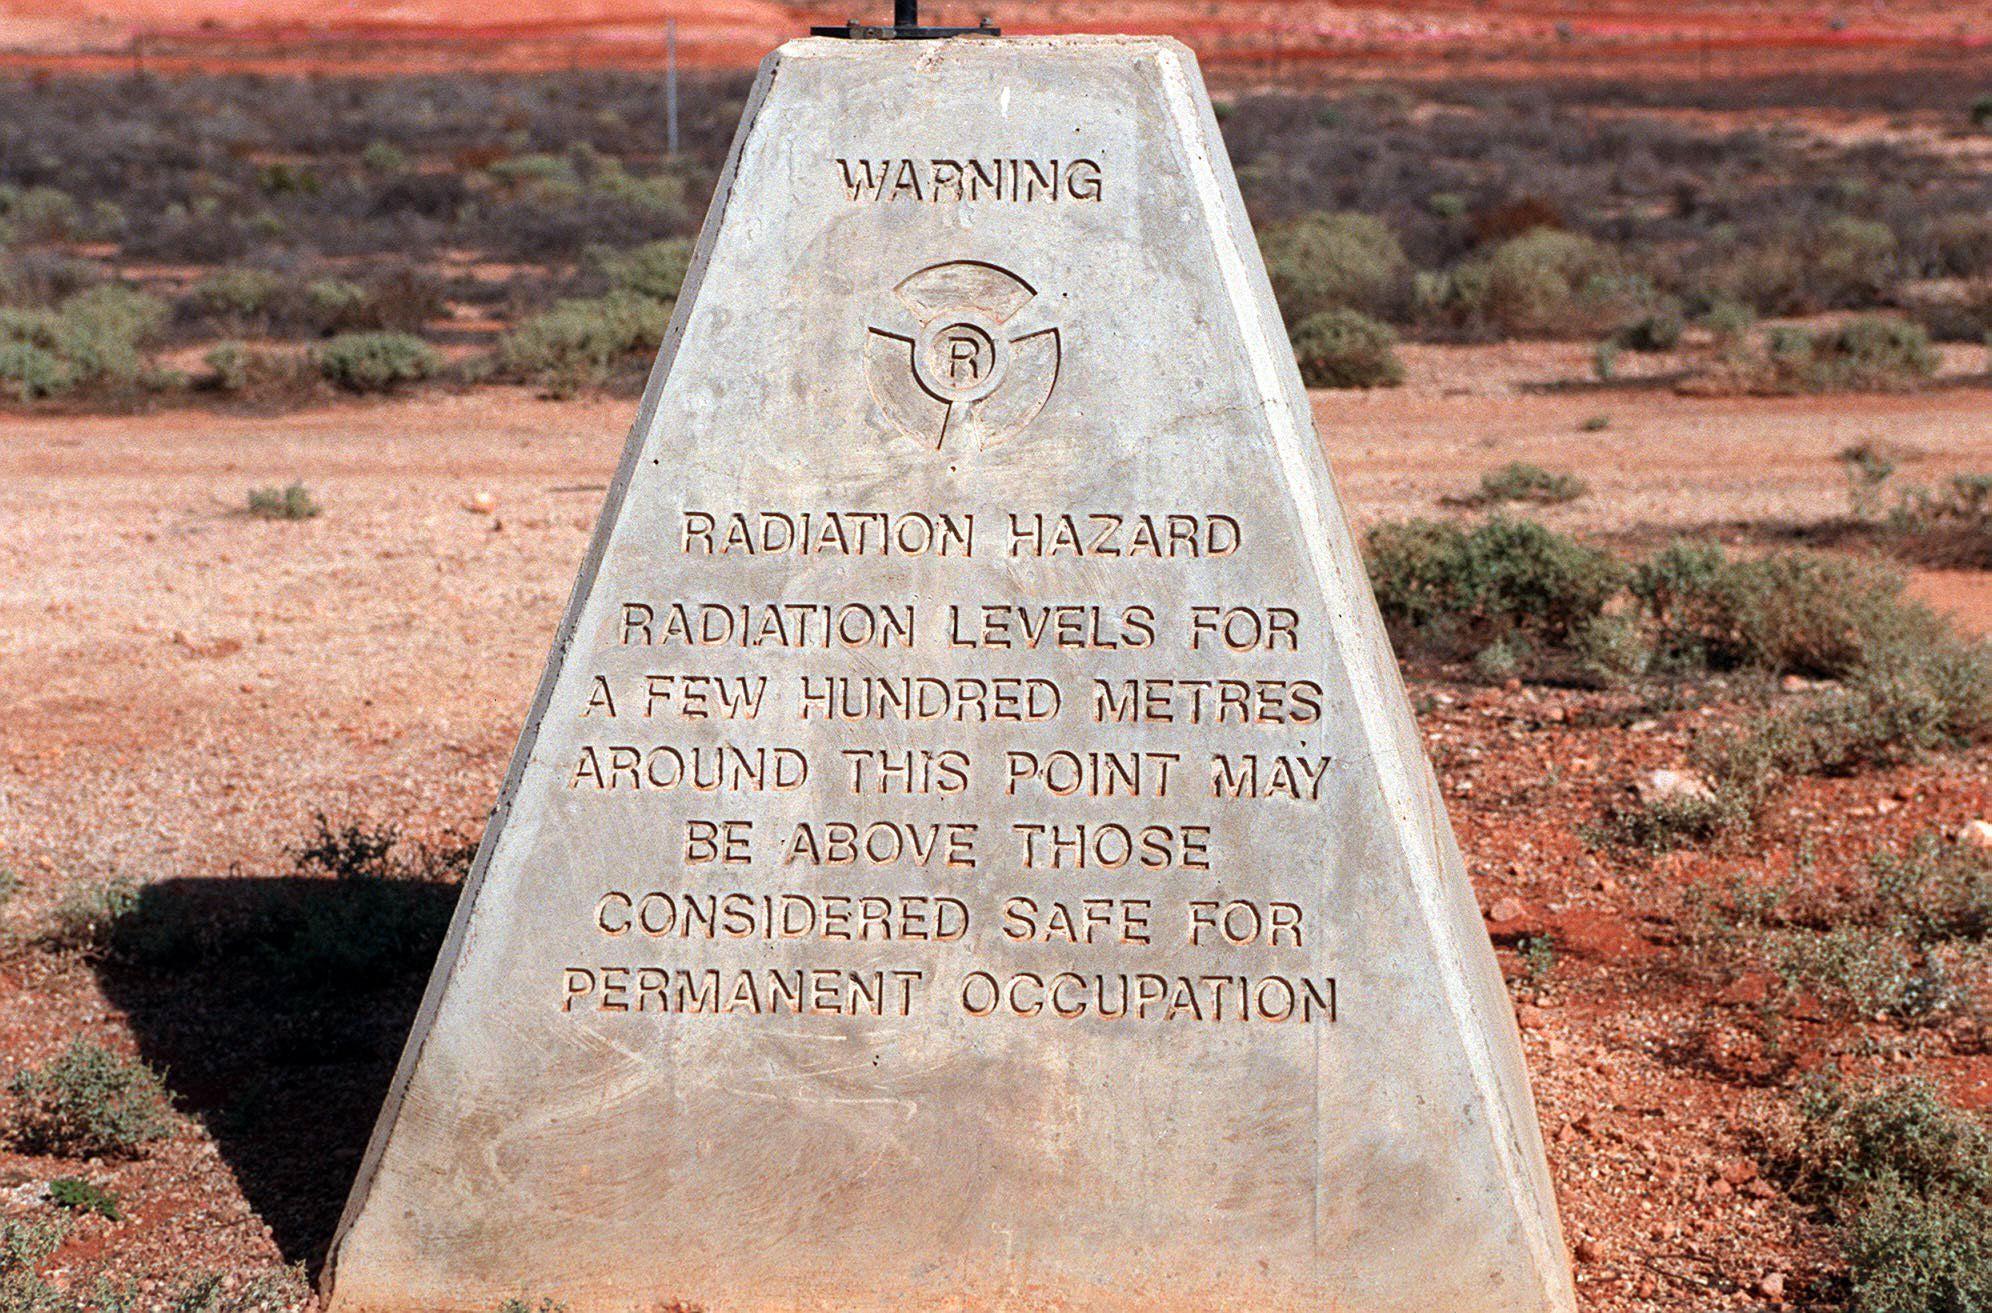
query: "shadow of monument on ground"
277, 1009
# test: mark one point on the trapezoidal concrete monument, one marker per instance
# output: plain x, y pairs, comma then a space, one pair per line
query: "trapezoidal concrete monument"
970, 848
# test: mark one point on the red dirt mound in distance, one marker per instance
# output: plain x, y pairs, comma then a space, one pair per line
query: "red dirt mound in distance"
1288, 36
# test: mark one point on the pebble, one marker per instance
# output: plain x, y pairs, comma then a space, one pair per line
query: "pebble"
1507, 909
1976, 833
1772, 1285
481, 503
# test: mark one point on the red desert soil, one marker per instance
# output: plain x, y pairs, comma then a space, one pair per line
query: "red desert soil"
1414, 37
182, 687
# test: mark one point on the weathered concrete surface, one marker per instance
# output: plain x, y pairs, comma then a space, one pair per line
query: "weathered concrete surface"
1269, 1066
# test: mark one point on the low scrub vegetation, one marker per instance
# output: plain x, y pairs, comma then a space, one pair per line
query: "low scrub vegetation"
1515, 598
1544, 283
93, 339
90, 1102
1900, 941
1906, 1181
28, 1246
1322, 262
80, 1196
1871, 353
1520, 481
1454, 591
290, 502
580, 343
1344, 348
376, 362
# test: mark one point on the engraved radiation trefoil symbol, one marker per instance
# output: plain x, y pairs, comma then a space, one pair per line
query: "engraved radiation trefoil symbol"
961, 362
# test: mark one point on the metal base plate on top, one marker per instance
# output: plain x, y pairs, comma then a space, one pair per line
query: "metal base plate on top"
856, 31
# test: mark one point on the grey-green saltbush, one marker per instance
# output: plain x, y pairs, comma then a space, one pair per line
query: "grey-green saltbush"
376, 362
576, 343
1346, 349
90, 1101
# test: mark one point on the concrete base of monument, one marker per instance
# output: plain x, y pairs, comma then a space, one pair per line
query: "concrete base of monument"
970, 848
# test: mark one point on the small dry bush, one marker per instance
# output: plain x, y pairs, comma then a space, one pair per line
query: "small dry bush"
251, 374
1793, 613
291, 502
1870, 353
579, 343
1520, 481
1346, 349
1840, 263
655, 269
1906, 1180
1545, 283
376, 362
90, 1102
82, 920
1511, 588
93, 340
1336, 261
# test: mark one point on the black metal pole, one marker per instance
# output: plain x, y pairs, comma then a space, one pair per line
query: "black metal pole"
905, 27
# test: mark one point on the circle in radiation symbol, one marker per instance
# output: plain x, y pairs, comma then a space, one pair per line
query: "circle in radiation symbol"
960, 356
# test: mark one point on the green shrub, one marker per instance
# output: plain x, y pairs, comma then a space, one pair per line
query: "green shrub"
1336, 261
660, 193
1548, 283
1981, 113
80, 1196
236, 368
655, 269
24, 1247
1346, 349
292, 502
547, 1304
82, 920
1842, 263
1867, 354
578, 341
1605, 360
1447, 205
270, 1291
1796, 613
375, 362
1858, 258
92, 337
284, 178
1660, 331
244, 293
1901, 704
1862, 972
90, 1102
1856, 1143
335, 302
1936, 890
1728, 321
1665, 824
1454, 590
383, 157
1908, 1253
31, 372
38, 214
1519, 481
